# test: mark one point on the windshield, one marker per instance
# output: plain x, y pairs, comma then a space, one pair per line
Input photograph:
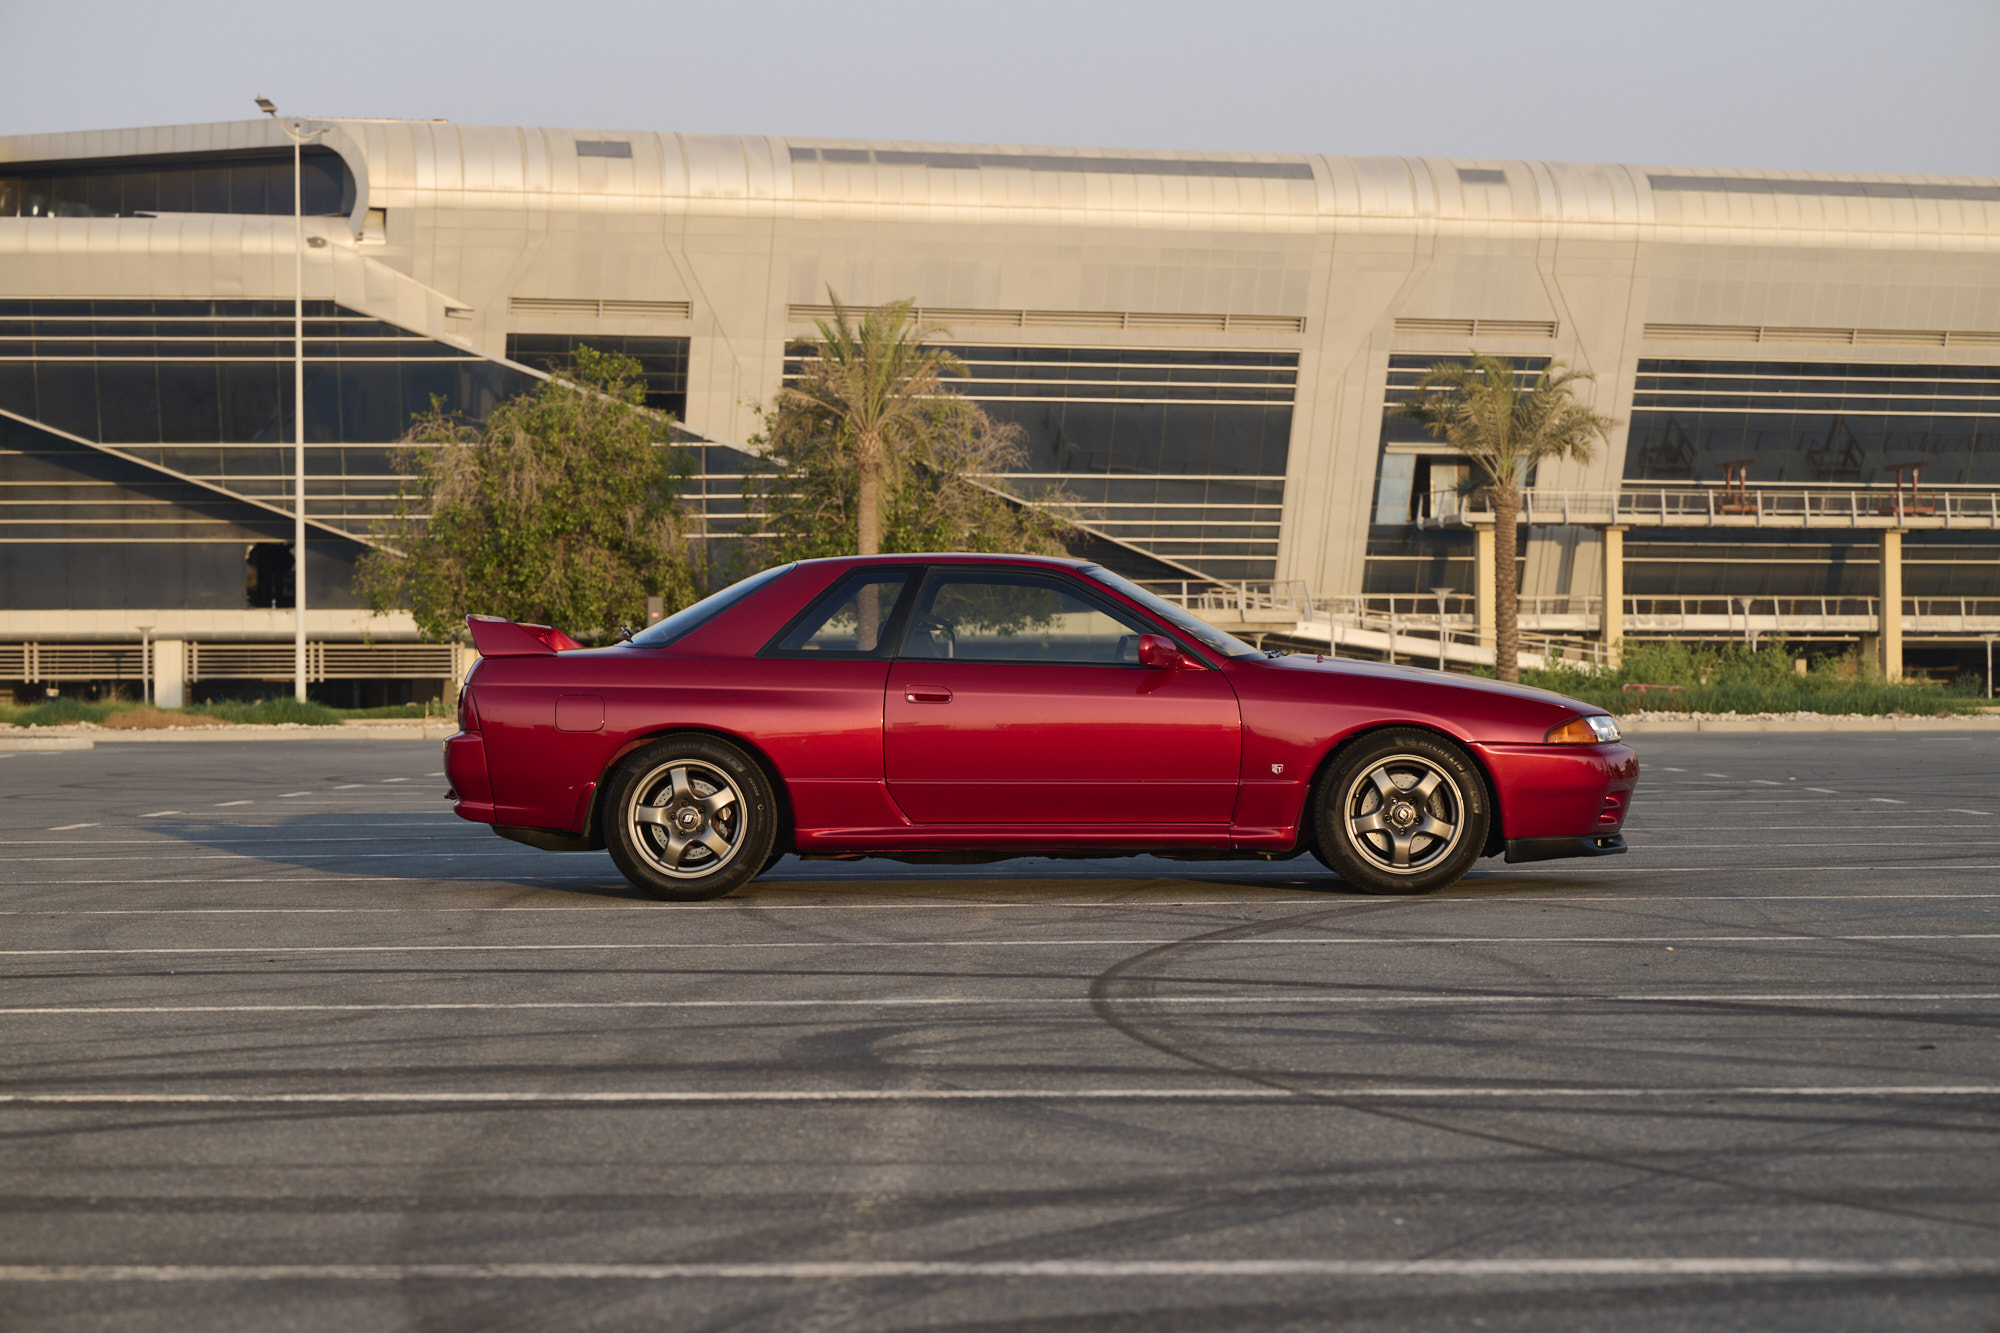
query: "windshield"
1186, 621
690, 618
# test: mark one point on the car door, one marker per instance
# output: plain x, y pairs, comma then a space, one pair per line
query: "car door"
1017, 698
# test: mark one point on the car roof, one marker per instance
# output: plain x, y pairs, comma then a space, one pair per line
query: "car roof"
954, 558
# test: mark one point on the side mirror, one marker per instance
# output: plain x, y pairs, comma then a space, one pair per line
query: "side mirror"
1157, 650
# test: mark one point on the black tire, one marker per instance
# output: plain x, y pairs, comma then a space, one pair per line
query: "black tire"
1401, 812
690, 817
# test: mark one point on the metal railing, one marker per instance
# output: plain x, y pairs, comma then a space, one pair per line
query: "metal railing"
1780, 504
34, 663
1409, 621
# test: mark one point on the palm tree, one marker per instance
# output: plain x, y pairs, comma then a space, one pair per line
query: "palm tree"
1505, 428
875, 381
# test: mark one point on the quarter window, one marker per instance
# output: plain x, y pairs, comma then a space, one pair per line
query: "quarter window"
850, 620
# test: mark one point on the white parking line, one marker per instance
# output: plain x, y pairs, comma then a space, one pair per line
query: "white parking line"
224, 804
1012, 1270
1235, 1093
289, 794
749, 906
156, 814
890, 877
1014, 1001
1261, 942
1824, 791
1886, 800
836, 1270
65, 828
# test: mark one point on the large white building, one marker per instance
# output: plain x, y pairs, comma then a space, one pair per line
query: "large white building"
1199, 347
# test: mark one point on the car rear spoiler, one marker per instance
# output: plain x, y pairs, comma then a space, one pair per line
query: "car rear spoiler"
496, 636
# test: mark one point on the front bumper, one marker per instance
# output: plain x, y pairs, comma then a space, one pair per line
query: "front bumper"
1555, 849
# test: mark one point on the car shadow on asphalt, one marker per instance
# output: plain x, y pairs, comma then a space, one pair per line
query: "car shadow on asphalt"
346, 847
353, 847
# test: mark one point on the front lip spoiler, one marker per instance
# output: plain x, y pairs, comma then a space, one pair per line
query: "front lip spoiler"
1554, 849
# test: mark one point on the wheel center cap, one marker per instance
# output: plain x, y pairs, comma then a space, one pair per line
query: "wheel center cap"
687, 819
1402, 814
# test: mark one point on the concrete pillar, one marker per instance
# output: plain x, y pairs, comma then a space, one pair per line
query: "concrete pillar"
1892, 605
170, 673
1612, 624
1484, 596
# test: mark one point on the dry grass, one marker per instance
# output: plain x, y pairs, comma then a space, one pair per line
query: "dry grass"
147, 718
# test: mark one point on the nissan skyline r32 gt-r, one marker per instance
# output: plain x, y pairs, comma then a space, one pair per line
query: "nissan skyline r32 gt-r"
957, 708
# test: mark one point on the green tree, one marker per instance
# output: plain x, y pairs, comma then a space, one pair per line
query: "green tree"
1506, 427
871, 451
563, 509
805, 491
876, 381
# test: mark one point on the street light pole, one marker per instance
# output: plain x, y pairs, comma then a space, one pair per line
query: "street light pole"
1441, 594
299, 138
145, 664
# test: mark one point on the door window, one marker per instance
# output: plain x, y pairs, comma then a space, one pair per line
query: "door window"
987, 616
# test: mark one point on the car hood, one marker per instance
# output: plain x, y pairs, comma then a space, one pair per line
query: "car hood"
1435, 686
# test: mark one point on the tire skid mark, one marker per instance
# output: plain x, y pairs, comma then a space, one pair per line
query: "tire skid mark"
1120, 995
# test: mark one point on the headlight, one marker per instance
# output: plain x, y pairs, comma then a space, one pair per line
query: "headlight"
1596, 729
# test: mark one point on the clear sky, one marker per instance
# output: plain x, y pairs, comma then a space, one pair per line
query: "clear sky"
1859, 85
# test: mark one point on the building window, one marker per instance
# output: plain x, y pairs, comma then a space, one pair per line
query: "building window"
258, 182
1817, 423
268, 574
664, 361
202, 391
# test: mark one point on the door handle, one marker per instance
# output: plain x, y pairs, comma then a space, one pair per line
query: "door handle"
927, 694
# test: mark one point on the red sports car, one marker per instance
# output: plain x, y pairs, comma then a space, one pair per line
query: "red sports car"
957, 708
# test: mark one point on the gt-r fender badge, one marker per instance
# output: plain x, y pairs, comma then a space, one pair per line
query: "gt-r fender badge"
1277, 768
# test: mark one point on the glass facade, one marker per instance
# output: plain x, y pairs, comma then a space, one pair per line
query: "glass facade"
197, 398
1698, 563
664, 360
1179, 454
248, 182
1418, 476
1814, 422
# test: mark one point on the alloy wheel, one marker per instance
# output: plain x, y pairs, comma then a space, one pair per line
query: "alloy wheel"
686, 819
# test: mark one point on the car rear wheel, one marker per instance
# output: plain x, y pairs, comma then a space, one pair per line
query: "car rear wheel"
690, 817
1401, 812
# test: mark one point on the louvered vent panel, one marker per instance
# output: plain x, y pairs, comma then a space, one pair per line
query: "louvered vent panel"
1141, 321
551, 305
1477, 328
1909, 337
1732, 333
569, 305
1076, 319
1753, 333
648, 310
1772, 335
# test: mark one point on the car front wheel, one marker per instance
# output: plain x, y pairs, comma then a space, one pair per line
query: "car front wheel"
690, 817
1401, 812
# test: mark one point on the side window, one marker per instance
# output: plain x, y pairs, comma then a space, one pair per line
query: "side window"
851, 619
994, 617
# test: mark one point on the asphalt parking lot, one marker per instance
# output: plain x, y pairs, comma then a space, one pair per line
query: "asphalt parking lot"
286, 1044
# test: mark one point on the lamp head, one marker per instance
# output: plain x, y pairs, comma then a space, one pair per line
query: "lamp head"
267, 106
